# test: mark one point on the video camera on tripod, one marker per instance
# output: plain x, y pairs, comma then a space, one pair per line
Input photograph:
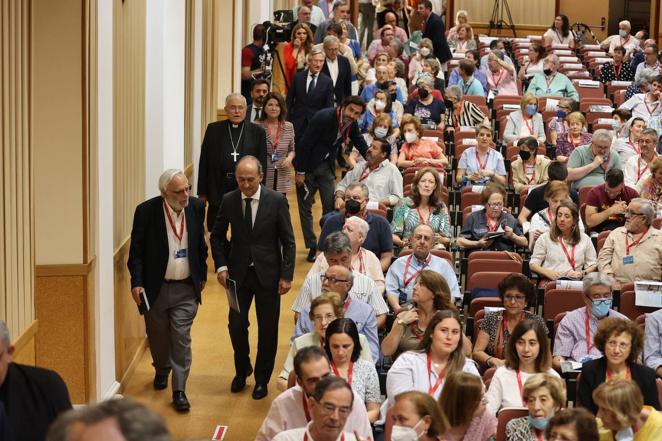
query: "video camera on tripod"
277, 31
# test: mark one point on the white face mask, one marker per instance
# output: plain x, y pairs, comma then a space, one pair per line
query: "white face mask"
411, 137
381, 132
380, 105
402, 433
424, 51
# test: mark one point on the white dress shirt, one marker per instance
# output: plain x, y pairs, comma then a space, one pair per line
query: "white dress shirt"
303, 433
178, 268
504, 390
309, 78
333, 69
255, 203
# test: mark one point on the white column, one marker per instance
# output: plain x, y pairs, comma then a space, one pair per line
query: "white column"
259, 11
164, 89
196, 102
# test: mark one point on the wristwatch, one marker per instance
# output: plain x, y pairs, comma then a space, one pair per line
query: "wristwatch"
400, 322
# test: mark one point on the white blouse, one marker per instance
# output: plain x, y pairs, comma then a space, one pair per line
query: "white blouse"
550, 255
504, 389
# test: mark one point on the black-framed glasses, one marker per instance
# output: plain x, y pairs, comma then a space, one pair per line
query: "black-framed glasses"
184, 190
332, 279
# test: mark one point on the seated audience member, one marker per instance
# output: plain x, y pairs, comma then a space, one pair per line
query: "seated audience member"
534, 64
497, 44
526, 121
423, 206
544, 395
425, 50
115, 419
559, 33
516, 292
640, 85
492, 219
620, 118
650, 61
588, 164
461, 17
462, 113
467, 82
652, 342
394, 91
537, 198
396, 70
606, 203
621, 342
343, 346
371, 74
432, 67
623, 415
379, 239
323, 310
33, 397
481, 164
380, 104
527, 354
551, 82
616, 70
419, 151
529, 169
338, 253
556, 192
291, 408
624, 39
474, 57
637, 168
647, 106
381, 76
397, 51
559, 125
382, 130
571, 342
430, 294
403, 272
574, 137
501, 76
382, 177
464, 40
340, 11
416, 415
564, 251
391, 19
572, 424
364, 261
462, 401
438, 356
382, 44
651, 187
330, 393
634, 251
428, 109
627, 147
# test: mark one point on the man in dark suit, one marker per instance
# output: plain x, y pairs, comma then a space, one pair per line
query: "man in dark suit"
337, 68
260, 261
224, 144
32, 397
259, 90
168, 262
433, 28
309, 93
329, 133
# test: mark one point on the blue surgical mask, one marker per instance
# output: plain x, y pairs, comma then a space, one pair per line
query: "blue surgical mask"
626, 434
622, 33
600, 308
560, 114
615, 125
538, 423
531, 109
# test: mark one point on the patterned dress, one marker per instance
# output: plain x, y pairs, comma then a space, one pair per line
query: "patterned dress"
284, 136
407, 217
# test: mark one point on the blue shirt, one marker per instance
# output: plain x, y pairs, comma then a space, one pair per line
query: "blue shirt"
472, 87
379, 239
396, 277
369, 91
362, 314
455, 77
494, 162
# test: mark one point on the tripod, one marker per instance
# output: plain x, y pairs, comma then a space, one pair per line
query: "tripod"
497, 20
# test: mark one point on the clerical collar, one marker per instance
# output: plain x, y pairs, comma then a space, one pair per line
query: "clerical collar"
236, 126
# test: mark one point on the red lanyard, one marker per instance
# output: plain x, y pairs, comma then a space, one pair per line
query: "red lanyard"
172, 224
519, 385
589, 346
635, 146
492, 226
336, 372
628, 374
347, 303
361, 261
648, 109
413, 276
420, 216
501, 335
416, 331
340, 126
572, 141
538, 434
629, 245
639, 171
305, 405
529, 126
495, 81
571, 260
365, 173
533, 176
432, 389
279, 131
480, 164
550, 216
617, 72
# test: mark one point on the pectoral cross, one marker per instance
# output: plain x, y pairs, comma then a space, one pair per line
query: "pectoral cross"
234, 155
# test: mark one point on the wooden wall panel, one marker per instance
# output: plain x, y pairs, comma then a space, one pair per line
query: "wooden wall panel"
209, 63
189, 71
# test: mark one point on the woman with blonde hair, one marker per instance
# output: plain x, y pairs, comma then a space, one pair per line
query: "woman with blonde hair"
573, 138
525, 122
461, 17
651, 187
417, 416
462, 402
463, 40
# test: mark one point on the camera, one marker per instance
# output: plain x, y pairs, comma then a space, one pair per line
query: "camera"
279, 30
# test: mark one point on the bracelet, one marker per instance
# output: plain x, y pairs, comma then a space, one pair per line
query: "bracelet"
487, 362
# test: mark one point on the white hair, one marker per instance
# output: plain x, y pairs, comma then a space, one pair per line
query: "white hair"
330, 39
235, 95
625, 24
602, 134
167, 176
363, 226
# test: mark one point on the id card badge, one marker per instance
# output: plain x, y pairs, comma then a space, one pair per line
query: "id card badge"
274, 157
628, 260
548, 91
180, 254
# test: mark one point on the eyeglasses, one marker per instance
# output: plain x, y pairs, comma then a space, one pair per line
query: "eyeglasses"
182, 191
332, 279
324, 318
495, 205
630, 213
612, 344
328, 409
513, 299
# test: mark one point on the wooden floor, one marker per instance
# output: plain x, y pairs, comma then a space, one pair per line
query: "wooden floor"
208, 387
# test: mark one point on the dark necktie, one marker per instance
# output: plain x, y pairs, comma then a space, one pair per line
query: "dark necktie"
257, 113
311, 86
248, 215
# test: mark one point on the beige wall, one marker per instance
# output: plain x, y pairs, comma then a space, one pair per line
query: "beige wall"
522, 11
588, 12
225, 45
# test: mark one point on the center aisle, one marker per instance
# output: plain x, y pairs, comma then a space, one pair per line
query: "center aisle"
208, 387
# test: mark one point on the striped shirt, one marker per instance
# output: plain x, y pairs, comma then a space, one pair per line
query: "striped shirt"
471, 116
285, 136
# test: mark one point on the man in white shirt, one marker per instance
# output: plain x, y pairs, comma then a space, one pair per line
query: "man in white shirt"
259, 90
316, 14
650, 62
290, 410
636, 169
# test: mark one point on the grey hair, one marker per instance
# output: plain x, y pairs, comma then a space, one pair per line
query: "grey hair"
455, 92
253, 159
434, 64
337, 242
398, 46
364, 188
167, 176
596, 278
554, 59
426, 79
236, 95
364, 226
499, 54
645, 77
650, 132
602, 134
646, 209
5, 336
315, 51
330, 39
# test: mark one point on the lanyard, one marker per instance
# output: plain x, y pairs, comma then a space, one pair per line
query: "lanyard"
639, 171
550, 216
501, 335
480, 164
347, 303
172, 224
420, 216
274, 142
491, 226
550, 81
617, 72
529, 126
496, 81
538, 434
572, 141
648, 109
533, 176
336, 372
432, 389
629, 245
467, 86
571, 260
519, 385
635, 146
361, 261
589, 346
413, 276
344, 138
559, 36
628, 374
365, 173
417, 332
305, 406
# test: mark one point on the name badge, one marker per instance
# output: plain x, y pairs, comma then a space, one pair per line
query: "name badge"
628, 260
180, 254
274, 157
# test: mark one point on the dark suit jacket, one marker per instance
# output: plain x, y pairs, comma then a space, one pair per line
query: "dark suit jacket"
215, 162
320, 139
301, 106
594, 373
148, 254
343, 85
270, 246
33, 397
434, 30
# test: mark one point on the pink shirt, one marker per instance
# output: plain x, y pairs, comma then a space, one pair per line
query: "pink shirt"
424, 149
503, 81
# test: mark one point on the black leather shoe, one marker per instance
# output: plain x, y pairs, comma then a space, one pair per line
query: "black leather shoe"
260, 391
180, 402
160, 382
311, 255
239, 381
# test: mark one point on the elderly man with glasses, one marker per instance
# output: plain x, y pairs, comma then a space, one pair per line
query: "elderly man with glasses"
574, 338
588, 164
634, 251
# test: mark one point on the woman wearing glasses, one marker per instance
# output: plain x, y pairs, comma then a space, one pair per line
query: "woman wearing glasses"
481, 164
516, 292
621, 342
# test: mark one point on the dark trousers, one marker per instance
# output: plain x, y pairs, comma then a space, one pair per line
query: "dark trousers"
212, 211
267, 309
323, 180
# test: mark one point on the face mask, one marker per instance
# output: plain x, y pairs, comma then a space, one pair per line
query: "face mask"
424, 51
379, 105
423, 93
560, 114
411, 137
622, 33
381, 132
615, 125
531, 109
547, 72
378, 85
402, 433
538, 423
626, 434
352, 207
600, 308
525, 155
394, 96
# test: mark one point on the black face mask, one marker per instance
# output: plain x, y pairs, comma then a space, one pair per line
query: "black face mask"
423, 93
394, 96
547, 72
378, 84
525, 155
352, 207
